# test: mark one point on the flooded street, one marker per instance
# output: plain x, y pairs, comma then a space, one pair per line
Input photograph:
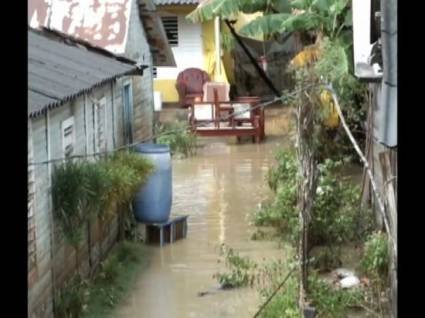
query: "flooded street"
218, 189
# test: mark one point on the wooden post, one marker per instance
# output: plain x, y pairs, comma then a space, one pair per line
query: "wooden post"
306, 189
391, 207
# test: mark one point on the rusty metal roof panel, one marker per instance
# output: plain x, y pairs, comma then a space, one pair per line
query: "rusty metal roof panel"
104, 23
171, 2
60, 69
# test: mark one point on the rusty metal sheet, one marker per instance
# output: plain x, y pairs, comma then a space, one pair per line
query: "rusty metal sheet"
172, 2
104, 23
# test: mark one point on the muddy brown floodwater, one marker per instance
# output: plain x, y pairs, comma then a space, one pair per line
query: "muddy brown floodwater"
218, 189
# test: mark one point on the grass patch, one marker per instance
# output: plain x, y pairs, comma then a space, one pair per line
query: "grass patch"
285, 303
98, 297
115, 279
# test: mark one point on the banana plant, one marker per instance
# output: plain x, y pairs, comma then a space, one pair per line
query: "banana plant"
325, 16
229, 9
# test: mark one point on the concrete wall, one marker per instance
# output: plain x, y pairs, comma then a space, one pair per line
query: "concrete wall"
139, 50
189, 52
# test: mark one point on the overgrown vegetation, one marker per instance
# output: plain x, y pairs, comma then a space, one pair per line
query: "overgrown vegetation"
97, 298
376, 256
179, 137
82, 190
241, 270
284, 304
331, 302
337, 216
374, 264
312, 197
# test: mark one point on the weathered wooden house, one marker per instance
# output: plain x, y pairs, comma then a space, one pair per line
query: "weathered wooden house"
127, 27
90, 90
79, 101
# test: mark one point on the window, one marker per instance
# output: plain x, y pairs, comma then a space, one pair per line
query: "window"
128, 112
32, 253
68, 137
171, 29
100, 125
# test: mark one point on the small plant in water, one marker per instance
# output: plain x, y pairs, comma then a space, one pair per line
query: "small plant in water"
241, 270
180, 139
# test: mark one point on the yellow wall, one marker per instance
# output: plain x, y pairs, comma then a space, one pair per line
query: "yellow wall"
167, 87
168, 90
208, 43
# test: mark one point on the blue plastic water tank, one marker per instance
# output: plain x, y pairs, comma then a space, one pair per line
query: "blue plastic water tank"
152, 203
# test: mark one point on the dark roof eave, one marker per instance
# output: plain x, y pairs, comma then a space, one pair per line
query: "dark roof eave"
137, 71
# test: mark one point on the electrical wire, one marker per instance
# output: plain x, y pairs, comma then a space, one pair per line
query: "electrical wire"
127, 146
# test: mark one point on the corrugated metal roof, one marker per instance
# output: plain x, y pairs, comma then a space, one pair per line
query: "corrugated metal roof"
168, 2
60, 69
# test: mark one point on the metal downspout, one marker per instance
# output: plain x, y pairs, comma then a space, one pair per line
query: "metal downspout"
388, 117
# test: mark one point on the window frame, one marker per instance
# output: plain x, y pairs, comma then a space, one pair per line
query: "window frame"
173, 42
68, 136
100, 120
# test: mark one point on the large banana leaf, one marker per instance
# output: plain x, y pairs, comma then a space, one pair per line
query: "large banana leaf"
283, 22
210, 9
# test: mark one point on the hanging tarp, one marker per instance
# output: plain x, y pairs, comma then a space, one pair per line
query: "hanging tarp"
276, 54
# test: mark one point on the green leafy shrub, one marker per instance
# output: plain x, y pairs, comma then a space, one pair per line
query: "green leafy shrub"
179, 137
336, 211
375, 260
285, 302
285, 171
330, 302
281, 212
70, 300
96, 298
241, 270
270, 276
335, 66
337, 216
82, 189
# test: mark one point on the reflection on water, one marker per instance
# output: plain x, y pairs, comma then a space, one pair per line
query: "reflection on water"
217, 189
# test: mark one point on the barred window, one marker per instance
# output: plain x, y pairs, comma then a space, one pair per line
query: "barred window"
171, 29
100, 125
68, 137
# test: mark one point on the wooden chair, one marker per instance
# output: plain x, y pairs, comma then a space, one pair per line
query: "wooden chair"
215, 119
189, 85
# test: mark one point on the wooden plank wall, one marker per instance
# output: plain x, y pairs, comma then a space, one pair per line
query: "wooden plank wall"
56, 260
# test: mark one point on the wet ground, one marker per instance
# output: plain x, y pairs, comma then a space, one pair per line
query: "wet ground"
218, 189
